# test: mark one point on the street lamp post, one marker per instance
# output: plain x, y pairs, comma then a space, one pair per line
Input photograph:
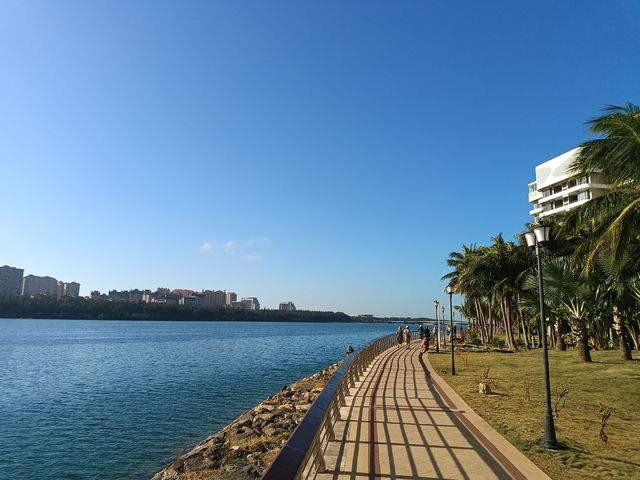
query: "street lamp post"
540, 235
449, 290
435, 304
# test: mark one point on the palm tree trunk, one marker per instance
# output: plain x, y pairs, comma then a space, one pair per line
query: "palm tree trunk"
490, 319
579, 330
525, 332
618, 325
559, 331
484, 332
509, 327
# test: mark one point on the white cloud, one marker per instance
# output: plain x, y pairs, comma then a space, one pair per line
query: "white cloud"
258, 242
230, 247
206, 247
253, 257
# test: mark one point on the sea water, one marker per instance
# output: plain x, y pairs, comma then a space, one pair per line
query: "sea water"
96, 399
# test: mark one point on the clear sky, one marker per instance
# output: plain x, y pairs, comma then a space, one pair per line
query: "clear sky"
328, 153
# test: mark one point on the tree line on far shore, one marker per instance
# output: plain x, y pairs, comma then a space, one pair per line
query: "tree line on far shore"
591, 266
46, 307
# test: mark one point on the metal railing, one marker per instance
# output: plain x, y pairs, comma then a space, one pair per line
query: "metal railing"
303, 454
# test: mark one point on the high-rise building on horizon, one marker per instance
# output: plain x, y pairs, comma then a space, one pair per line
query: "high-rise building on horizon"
35, 285
68, 289
214, 298
557, 189
11, 280
251, 303
231, 297
287, 307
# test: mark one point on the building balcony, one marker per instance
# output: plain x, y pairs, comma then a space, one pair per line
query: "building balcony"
561, 209
573, 190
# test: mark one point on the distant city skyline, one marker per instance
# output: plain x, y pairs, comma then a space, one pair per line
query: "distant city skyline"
331, 154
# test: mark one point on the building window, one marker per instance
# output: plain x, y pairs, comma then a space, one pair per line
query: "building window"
547, 207
532, 188
546, 192
583, 195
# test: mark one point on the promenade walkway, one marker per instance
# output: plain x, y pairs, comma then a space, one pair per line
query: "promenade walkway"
402, 421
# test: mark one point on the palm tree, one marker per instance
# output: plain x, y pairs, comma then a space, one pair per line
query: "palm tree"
611, 224
465, 278
490, 278
568, 296
614, 219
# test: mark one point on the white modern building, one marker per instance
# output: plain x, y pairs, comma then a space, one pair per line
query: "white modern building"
251, 303
557, 189
287, 307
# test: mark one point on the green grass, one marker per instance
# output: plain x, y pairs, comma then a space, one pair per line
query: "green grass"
607, 381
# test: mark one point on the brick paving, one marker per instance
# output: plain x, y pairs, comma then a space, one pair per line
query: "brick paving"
402, 421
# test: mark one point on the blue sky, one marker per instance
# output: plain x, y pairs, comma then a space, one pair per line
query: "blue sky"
328, 153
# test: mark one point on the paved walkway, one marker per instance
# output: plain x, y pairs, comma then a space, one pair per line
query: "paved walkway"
402, 421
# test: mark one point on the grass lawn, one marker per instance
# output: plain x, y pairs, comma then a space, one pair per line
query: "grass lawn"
608, 381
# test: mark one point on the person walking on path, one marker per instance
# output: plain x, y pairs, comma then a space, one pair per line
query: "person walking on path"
399, 335
421, 332
407, 337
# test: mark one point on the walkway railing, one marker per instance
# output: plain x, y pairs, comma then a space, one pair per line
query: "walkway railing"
303, 454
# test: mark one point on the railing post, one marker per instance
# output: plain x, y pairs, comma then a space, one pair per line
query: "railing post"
322, 466
304, 451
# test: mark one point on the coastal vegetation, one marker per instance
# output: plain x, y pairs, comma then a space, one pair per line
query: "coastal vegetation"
47, 307
591, 266
516, 407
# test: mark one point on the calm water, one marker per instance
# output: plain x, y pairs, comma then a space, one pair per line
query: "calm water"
118, 399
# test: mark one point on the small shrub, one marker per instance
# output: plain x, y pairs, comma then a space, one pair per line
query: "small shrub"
476, 341
561, 397
497, 342
605, 413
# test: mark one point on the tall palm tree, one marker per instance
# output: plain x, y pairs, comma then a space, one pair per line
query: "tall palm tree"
490, 277
613, 219
465, 279
611, 224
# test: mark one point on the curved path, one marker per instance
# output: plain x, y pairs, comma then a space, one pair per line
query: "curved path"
402, 421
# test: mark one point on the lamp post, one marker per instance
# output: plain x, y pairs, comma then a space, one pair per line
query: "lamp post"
540, 235
449, 290
435, 304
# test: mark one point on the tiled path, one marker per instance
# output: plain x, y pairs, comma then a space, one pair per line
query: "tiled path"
404, 422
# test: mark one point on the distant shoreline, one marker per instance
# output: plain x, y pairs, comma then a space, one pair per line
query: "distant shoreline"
47, 308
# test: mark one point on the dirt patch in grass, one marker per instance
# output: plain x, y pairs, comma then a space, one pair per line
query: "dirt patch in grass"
607, 381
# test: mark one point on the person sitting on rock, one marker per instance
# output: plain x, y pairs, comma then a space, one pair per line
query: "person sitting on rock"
350, 350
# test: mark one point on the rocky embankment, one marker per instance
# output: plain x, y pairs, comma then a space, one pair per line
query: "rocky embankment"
244, 449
